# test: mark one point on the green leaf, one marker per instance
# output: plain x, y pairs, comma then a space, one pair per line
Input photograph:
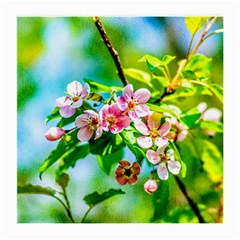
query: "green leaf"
95, 97
188, 74
200, 65
54, 115
152, 62
106, 162
139, 77
212, 159
161, 201
31, 189
212, 126
179, 158
190, 117
107, 144
62, 149
217, 90
167, 59
163, 108
96, 198
98, 87
131, 142
62, 180
71, 158
194, 24
159, 79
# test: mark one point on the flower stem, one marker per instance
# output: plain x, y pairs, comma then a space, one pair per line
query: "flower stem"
68, 205
85, 215
111, 49
192, 204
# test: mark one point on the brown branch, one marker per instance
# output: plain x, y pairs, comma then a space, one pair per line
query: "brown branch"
192, 204
111, 49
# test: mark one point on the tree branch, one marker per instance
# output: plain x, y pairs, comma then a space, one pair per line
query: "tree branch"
192, 204
111, 49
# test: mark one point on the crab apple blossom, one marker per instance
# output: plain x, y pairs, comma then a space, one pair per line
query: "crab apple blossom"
150, 186
167, 163
54, 133
77, 94
134, 102
127, 173
88, 122
112, 118
212, 114
153, 131
180, 132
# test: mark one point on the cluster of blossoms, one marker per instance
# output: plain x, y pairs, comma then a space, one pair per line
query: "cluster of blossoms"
128, 108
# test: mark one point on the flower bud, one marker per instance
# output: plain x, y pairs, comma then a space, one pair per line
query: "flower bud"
150, 186
54, 133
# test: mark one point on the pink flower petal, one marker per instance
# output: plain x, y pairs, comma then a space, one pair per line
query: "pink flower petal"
128, 91
85, 91
164, 129
182, 135
67, 111
144, 142
104, 111
150, 186
174, 166
74, 88
142, 110
141, 127
85, 133
161, 142
153, 156
142, 95
133, 115
122, 122
98, 133
54, 133
154, 120
114, 109
161, 149
82, 120
122, 104
63, 101
162, 171
92, 113
77, 104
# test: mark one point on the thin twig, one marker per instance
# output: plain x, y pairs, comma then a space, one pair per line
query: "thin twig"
68, 205
111, 49
85, 215
208, 26
192, 204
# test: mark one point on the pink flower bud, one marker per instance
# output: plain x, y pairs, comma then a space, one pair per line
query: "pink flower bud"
150, 186
54, 133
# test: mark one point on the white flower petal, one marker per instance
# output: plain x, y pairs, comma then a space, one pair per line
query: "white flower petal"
144, 142
170, 154
74, 88
174, 166
162, 171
